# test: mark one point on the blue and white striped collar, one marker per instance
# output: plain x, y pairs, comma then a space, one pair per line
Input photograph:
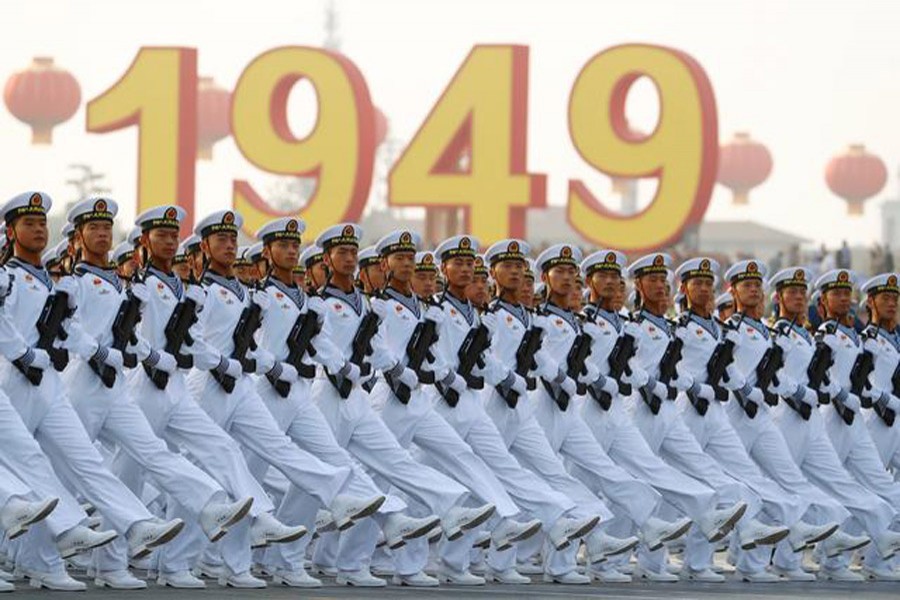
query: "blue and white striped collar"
108, 274
466, 308
229, 283
411, 302
291, 291
40, 273
354, 298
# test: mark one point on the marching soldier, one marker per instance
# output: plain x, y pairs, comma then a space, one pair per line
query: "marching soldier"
35, 387
809, 444
424, 281
103, 404
286, 393
848, 432
344, 398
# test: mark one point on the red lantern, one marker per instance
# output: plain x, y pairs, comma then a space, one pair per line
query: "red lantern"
855, 176
743, 164
42, 96
381, 127
213, 116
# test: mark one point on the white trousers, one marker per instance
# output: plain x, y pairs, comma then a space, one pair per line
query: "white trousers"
362, 432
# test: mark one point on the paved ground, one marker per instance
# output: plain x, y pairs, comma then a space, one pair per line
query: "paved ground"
634, 591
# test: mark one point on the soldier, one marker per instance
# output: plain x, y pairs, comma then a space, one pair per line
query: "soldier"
103, 404
286, 393
159, 390
808, 442
849, 433
424, 281
371, 277
344, 399
35, 387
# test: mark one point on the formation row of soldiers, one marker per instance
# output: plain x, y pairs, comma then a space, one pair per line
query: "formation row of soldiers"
294, 427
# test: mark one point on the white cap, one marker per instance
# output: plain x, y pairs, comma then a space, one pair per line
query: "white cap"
93, 209
401, 240
558, 254
603, 260
284, 228
344, 234
745, 270
458, 245
509, 249
698, 267
219, 221
169, 216
26, 203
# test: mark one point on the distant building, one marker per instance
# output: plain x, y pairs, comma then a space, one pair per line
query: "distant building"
549, 226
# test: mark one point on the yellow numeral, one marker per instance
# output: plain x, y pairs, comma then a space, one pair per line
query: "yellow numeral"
339, 152
158, 93
482, 112
681, 153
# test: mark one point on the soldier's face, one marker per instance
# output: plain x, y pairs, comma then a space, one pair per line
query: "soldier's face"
374, 276
163, 242
96, 236
793, 300
526, 292
182, 269
195, 259
459, 270
885, 305
726, 310
509, 274
424, 283
748, 293
30, 232
653, 288
343, 259
285, 254
619, 295
837, 302
221, 247
401, 265
699, 291
316, 274
126, 269
604, 283
477, 291
561, 279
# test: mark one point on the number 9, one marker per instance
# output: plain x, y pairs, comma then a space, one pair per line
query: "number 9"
682, 152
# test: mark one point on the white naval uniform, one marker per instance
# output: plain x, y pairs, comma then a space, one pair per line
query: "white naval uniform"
528, 442
885, 348
667, 434
299, 418
47, 413
418, 423
766, 443
176, 418
714, 431
356, 425
853, 443
466, 446
616, 432
571, 437
242, 412
811, 449
111, 415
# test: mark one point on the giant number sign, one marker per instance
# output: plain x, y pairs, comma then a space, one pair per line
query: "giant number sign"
482, 114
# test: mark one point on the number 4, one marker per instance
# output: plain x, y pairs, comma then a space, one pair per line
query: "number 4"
482, 112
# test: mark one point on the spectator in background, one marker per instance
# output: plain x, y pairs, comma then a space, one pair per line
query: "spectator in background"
843, 256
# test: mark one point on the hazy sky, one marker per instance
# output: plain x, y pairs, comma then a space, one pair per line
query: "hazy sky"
805, 77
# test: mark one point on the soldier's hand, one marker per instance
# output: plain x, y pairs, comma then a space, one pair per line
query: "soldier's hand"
195, 293
140, 291
68, 285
